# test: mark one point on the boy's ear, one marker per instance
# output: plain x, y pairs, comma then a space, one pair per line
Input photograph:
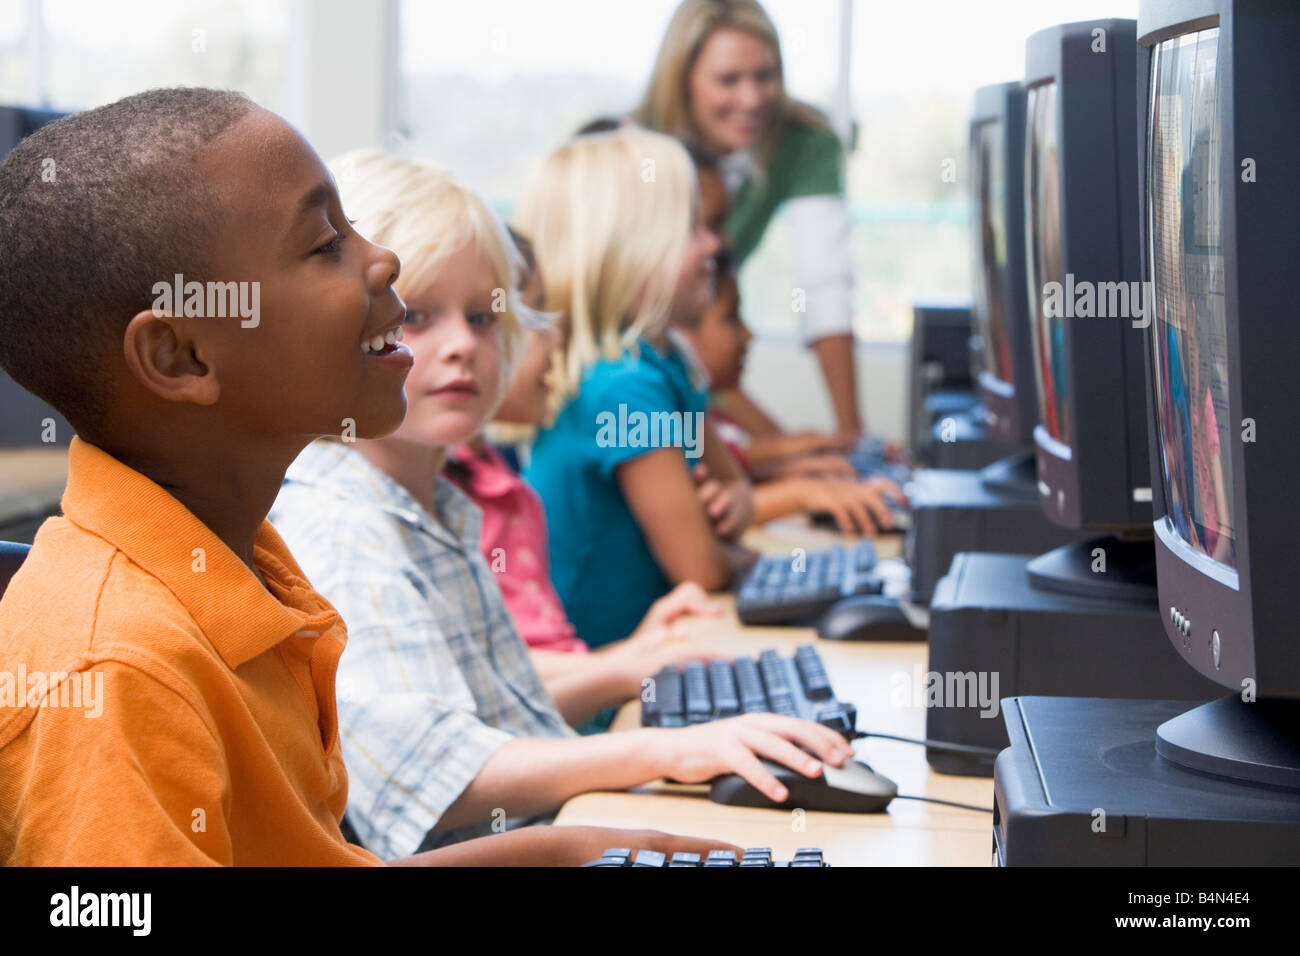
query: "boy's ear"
160, 352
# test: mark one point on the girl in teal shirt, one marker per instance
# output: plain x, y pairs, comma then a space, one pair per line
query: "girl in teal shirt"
637, 496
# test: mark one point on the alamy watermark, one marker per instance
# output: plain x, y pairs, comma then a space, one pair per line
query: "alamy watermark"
82, 690
948, 689
1100, 300
638, 429
212, 300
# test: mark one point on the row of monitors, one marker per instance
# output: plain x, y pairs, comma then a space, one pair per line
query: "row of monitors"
1133, 218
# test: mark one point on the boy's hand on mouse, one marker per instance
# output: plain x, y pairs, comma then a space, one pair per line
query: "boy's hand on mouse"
728, 504
740, 744
575, 846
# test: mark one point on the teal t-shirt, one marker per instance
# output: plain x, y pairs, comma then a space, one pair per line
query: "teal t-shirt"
601, 563
808, 161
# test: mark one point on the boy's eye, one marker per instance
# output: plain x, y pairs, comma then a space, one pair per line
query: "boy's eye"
415, 318
330, 248
481, 318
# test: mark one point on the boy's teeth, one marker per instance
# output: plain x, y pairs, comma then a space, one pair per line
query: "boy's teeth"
391, 337
377, 343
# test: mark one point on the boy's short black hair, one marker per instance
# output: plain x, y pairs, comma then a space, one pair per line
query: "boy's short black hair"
94, 209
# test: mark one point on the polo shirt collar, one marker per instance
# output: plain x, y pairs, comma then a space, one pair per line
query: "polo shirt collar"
235, 612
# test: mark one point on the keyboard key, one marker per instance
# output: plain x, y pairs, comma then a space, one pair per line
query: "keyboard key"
728, 855
649, 858
699, 704
722, 684
685, 859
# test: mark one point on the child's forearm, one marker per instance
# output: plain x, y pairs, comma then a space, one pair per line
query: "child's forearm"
528, 776
744, 411
587, 686
551, 664
776, 499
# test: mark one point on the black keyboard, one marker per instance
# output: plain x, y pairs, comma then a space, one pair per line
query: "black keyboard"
622, 856
793, 686
785, 589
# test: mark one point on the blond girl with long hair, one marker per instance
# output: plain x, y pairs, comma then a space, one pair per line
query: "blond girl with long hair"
614, 220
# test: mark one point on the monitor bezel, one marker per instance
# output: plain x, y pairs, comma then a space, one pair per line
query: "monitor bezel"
1212, 597
1114, 494
1011, 408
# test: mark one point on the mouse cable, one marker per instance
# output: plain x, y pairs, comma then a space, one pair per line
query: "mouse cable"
940, 745
946, 803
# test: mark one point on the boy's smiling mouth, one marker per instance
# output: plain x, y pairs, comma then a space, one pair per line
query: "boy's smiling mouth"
387, 345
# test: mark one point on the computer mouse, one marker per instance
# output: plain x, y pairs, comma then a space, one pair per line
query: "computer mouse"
868, 617
853, 788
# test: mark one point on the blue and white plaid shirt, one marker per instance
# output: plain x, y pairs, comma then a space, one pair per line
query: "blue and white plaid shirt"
434, 678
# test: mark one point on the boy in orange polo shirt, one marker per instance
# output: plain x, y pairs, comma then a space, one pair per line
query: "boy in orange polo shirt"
177, 278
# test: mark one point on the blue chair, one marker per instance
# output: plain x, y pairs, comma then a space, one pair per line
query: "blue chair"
11, 558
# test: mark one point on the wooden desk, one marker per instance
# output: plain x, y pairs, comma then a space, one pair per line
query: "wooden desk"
874, 676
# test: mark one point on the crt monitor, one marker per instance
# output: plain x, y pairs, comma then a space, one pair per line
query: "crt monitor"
1082, 285
1005, 373
1220, 107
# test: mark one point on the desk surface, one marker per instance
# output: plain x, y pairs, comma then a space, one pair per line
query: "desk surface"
870, 674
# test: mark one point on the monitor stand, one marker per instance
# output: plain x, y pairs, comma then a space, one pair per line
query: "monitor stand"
1255, 743
993, 629
955, 510
1015, 476
1112, 568
1084, 784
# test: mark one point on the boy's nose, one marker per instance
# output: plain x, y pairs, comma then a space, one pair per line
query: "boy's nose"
384, 270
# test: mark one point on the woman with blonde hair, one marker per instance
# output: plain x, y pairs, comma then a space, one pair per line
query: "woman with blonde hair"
718, 83
614, 219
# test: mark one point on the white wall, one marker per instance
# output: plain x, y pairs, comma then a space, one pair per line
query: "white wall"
786, 381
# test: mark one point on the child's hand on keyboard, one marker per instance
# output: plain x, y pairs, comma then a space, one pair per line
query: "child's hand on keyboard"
574, 846
738, 745
687, 598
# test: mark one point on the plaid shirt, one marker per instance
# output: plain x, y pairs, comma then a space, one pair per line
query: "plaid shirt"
434, 678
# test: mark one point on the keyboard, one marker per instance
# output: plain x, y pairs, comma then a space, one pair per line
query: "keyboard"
868, 458
779, 589
793, 686
761, 856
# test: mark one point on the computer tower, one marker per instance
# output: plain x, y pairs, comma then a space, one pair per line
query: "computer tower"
954, 511
988, 619
1082, 785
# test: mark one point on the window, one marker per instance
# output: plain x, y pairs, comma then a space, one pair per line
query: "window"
87, 53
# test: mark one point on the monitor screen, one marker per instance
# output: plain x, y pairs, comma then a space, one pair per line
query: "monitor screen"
1188, 329
1043, 251
989, 180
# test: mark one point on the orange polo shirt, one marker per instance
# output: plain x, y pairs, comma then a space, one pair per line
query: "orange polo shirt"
158, 705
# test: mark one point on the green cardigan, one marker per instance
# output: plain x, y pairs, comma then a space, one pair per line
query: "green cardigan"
807, 162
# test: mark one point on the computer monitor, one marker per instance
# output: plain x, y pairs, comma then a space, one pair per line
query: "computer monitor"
1005, 370
1082, 275
23, 416
1220, 108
